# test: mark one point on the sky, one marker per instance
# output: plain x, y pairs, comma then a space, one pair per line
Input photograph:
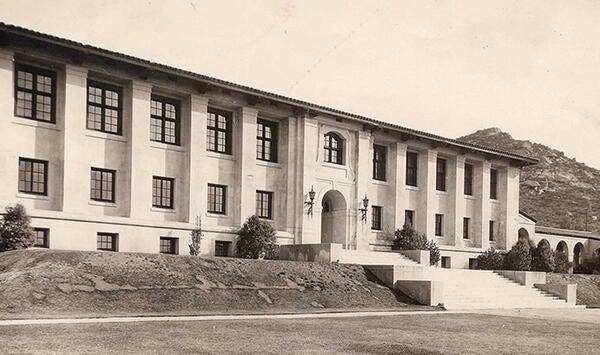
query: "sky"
530, 68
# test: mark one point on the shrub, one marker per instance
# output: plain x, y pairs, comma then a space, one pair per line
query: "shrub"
408, 239
256, 240
542, 258
519, 256
590, 265
15, 231
561, 263
196, 239
490, 260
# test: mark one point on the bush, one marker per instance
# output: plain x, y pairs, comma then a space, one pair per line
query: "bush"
561, 263
256, 240
15, 231
590, 265
519, 256
542, 258
408, 239
490, 260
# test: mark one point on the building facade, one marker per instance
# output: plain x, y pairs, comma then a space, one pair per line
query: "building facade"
111, 152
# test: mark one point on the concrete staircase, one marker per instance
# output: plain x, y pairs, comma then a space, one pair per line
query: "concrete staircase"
480, 289
369, 257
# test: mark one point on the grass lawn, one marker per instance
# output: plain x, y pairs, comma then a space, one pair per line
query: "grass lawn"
411, 334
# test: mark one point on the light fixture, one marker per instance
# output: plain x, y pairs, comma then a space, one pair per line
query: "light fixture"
363, 210
311, 202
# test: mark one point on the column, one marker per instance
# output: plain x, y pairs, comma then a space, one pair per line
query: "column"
308, 136
197, 162
363, 179
289, 156
509, 199
246, 162
427, 163
401, 194
76, 170
139, 147
481, 188
457, 196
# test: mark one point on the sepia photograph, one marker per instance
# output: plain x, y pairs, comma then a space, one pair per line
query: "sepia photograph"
300, 177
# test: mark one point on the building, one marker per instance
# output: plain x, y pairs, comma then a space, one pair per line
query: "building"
112, 152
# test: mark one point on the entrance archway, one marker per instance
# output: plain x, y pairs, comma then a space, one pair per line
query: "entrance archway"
578, 252
523, 234
334, 217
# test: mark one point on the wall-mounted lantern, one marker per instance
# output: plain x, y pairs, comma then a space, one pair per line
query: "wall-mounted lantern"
311, 202
363, 210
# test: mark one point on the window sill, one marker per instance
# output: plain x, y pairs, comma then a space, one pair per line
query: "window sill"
102, 203
412, 188
166, 146
335, 166
33, 196
439, 237
469, 197
268, 164
217, 155
496, 202
441, 193
35, 123
164, 210
216, 215
380, 182
107, 136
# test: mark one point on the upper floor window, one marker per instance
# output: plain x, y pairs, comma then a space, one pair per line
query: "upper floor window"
104, 107
334, 149
469, 179
411, 168
33, 176
376, 217
266, 140
264, 204
494, 184
379, 160
102, 185
35, 93
217, 195
440, 176
218, 131
162, 192
164, 120
41, 237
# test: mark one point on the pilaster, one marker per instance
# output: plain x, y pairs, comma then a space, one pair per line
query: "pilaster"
509, 183
457, 195
482, 206
246, 161
291, 175
8, 161
401, 194
197, 161
308, 135
427, 202
363, 179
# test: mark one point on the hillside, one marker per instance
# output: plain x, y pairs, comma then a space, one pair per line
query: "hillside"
46, 283
556, 191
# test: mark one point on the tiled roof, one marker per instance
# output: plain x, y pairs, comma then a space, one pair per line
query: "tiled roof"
566, 232
23, 32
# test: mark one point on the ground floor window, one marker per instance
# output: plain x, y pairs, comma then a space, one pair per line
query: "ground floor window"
222, 248
376, 220
409, 218
41, 237
492, 236
264, 204
107, 241
466, 222
446, 264
168, 245
439, 226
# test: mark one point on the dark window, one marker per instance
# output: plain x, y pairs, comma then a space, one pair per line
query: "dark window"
41, 237
266, 140
409, 218
104, 107
107, 241
376, 220
440, 177
379, 160
102, 185
33, 176
222, 248
217, 196
439, 227
466, 222
334, 149
492, 233
162, 192
35, 93
493, 184
469, 179
446, 263
164, 120
264, 204
218, 131
168, 245
411, 168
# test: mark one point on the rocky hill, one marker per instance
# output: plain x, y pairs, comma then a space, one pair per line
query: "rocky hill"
559, 191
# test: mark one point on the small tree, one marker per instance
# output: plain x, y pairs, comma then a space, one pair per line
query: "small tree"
197, 236
542, 258
561, 263
519, 256
408, 239
15, 231
434, 252
256, 240
490, 260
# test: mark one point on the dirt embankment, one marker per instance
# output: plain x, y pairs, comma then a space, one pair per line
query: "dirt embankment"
588, 287
45, 283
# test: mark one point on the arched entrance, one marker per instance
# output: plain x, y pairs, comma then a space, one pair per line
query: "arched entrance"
334, 217
523, 234
578, 252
